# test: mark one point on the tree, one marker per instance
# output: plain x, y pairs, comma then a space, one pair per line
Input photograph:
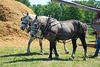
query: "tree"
74, 13
52, 9
65, 12
26, 2
87, 16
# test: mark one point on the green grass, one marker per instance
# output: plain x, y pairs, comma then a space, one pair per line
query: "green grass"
90, 30
15, 57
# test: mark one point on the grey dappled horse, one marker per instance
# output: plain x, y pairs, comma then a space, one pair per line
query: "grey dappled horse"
33, 28
54, 30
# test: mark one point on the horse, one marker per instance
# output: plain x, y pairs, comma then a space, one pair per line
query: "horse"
27, 23
54, 31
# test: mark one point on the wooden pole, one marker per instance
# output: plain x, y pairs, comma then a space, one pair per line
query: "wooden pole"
77, 5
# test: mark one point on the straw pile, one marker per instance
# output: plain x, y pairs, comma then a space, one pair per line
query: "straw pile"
10, 15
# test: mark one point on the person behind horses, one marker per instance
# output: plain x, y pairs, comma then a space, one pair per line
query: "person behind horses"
96, 26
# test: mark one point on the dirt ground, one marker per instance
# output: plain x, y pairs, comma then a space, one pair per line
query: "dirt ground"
18, 42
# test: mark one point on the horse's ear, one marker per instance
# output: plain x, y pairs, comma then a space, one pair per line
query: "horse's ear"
27, 13
36, 17
23, 14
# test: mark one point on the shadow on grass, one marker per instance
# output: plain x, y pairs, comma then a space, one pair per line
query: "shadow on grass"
35, 59
23, 54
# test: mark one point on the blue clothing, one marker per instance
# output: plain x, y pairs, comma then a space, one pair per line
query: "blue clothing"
97, 47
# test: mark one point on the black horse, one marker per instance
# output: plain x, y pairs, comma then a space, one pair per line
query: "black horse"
54, 30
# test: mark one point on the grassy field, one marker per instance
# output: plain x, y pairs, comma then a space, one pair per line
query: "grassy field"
14, 56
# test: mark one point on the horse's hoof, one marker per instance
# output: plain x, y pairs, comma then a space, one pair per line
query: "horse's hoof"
84, 59
86, 56
56, 57
71, 58
41, 53
28, 53
67, 52
49, 58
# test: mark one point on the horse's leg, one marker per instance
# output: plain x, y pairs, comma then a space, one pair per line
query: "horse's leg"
55, 51
28, 48
66, 50
82, 38
74, 49
51, 48
41, 50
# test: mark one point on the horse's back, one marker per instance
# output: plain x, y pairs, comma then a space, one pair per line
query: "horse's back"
69, 25
71, 29
72, 24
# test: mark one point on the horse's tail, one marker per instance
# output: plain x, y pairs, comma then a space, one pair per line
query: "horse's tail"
83, 27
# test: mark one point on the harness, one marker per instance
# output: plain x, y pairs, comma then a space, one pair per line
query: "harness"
34, 27
48, 26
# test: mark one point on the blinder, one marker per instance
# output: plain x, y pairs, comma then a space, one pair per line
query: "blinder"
24, 23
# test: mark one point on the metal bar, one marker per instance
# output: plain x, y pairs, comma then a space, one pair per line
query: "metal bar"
77, 5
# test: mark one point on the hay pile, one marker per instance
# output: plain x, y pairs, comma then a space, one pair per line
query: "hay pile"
10, 14
11, 10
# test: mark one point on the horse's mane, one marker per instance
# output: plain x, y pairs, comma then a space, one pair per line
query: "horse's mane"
44, 19
32, 16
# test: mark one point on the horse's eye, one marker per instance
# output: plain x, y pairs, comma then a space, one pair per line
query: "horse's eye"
23, 23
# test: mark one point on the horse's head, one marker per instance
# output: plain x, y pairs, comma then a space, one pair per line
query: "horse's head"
35, 27
26, 20
35, 23
41, 20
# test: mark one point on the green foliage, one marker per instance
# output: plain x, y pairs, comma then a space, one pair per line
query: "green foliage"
58, 11
88, 16
26, 2
65, 12
74, 13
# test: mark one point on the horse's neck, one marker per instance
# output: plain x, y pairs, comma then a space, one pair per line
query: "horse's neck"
32, 16
42, 19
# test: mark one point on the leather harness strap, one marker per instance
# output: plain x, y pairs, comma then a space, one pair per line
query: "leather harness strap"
47, 24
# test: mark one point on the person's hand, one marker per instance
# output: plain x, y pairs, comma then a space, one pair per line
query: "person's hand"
94, 32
